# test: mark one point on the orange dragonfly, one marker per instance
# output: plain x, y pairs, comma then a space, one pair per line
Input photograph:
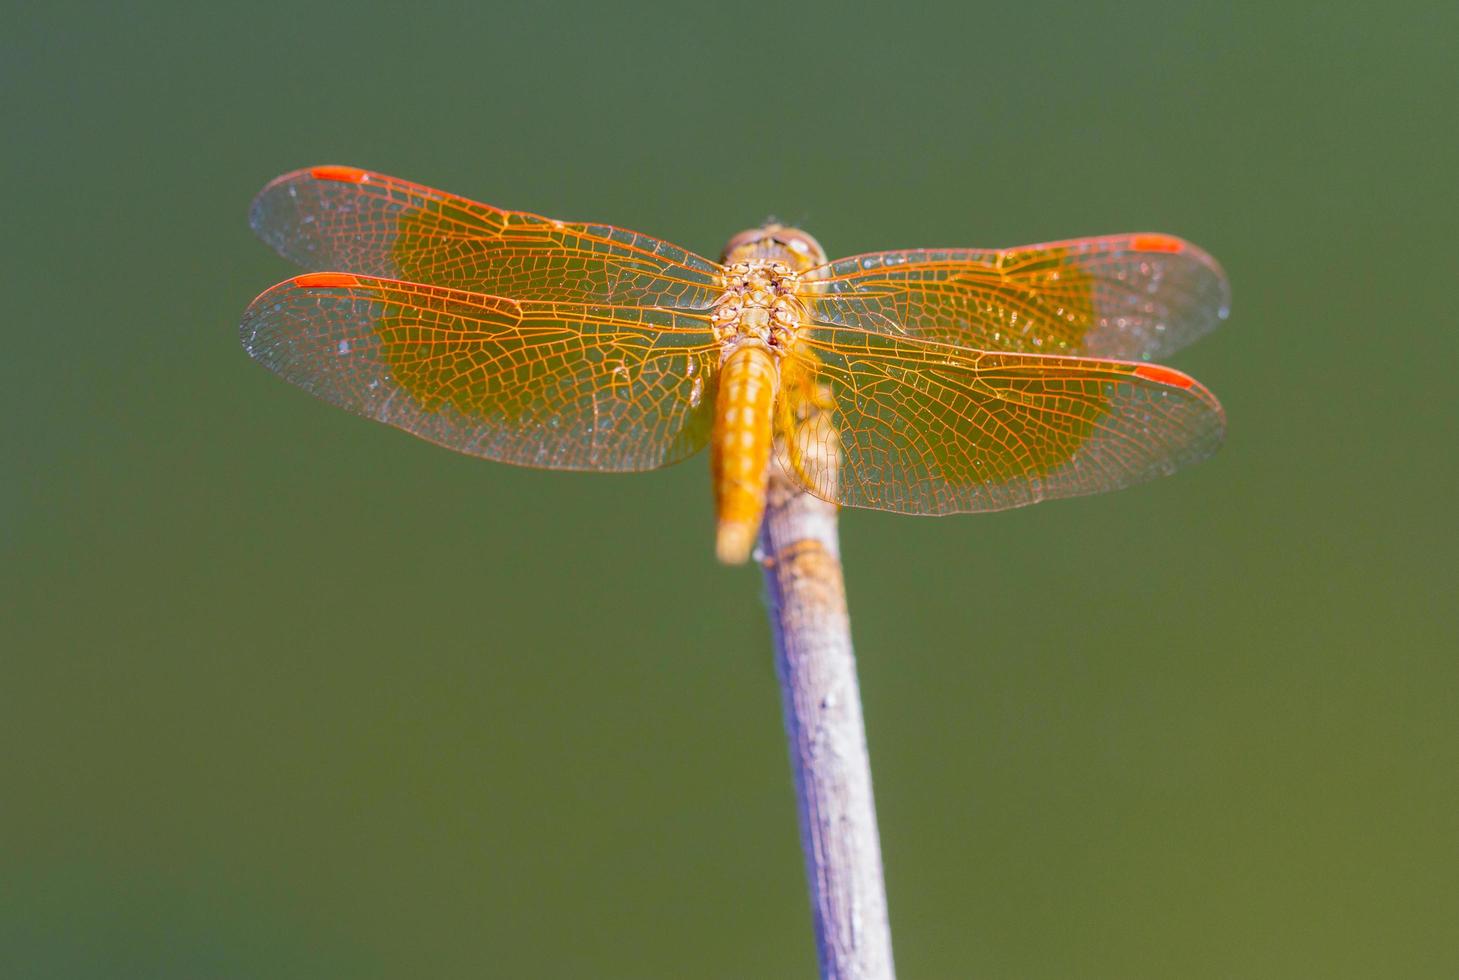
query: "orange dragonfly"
921, 381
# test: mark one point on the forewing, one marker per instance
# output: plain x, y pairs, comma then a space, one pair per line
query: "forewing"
898, 424
344, 218
1135, 297
554, 385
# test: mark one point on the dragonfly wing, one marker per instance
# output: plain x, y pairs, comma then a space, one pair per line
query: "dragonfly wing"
899, 424
553, 385
1133, 297
371, 224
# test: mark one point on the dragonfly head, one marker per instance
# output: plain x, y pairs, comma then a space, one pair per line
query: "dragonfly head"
775, 243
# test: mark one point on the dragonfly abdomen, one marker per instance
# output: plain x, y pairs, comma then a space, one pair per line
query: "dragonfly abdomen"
740, 447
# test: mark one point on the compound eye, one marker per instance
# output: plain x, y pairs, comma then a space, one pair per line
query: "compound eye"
802, 244
739, 244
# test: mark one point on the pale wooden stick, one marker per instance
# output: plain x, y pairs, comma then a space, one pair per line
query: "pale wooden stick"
801, 556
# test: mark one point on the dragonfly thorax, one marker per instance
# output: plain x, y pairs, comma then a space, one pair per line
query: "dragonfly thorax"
760, 305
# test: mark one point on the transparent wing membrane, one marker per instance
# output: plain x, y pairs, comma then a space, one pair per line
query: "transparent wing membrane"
916, 427
1134, 297
553, 385
925, 381
367, 223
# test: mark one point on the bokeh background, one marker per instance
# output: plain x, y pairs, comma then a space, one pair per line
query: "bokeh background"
284, 693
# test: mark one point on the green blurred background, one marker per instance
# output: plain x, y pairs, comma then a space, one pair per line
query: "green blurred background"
284, 693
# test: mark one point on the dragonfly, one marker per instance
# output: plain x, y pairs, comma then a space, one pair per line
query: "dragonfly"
918, 381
